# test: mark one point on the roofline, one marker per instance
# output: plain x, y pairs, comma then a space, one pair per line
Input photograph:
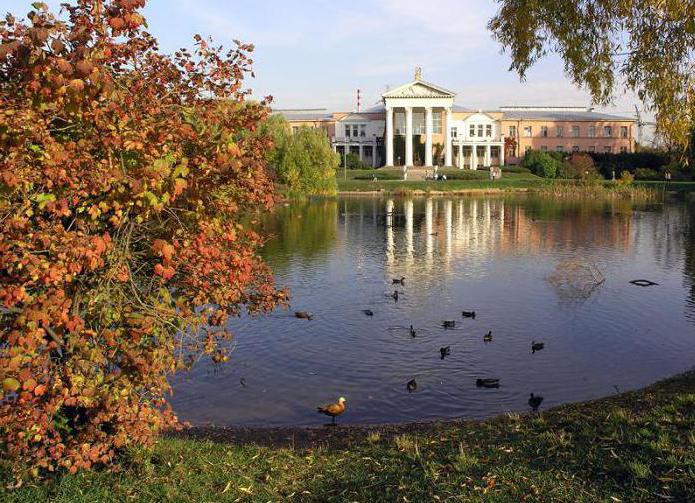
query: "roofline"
429, 84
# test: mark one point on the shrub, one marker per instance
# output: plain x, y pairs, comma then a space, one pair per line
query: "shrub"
580, 167
541, 163
626, 178
353, 161
126, 196
629, 161
646, 174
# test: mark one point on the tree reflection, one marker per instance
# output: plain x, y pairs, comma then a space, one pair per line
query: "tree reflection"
301, 230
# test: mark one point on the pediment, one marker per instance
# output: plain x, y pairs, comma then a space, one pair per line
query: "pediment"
419, 89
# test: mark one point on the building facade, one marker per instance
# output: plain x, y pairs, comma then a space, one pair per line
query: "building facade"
442, 133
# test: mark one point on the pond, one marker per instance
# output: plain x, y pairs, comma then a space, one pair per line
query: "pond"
500, 257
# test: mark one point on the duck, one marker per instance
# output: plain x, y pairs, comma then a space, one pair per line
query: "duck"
445, 351
368, 312
303, 315
536, 346
411, 386
487, 383
468, 314
434, 234
412, 331
333, 410
449, 324
242, 381
395, 295
488, 336
535, 401
400, 281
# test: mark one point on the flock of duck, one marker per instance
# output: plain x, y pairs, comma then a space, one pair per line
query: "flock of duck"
334, 410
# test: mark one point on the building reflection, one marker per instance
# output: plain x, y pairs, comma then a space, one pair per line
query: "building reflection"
433, 234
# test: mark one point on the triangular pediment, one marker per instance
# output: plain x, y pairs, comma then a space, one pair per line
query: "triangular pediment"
419, 89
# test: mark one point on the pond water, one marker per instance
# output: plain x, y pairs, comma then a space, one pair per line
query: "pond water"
494, 256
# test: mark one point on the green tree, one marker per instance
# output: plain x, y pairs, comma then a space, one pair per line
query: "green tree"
541, 163
305, 163
647, 44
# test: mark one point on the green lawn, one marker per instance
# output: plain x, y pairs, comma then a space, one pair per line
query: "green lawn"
638, 446
390, 180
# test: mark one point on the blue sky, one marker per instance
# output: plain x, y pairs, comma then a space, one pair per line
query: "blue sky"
317, 53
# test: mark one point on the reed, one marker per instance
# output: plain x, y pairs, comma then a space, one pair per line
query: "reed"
578, 190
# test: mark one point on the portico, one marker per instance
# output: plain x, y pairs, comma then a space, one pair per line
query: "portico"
427, 101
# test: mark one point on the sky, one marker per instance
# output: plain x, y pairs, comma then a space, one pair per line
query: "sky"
317, 53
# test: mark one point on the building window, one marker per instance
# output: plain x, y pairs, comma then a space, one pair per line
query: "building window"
575, 131
512, 131
623, 150
399, 120
544, 131
347, 131
418, 123
528, 131
480, 130
355, 130
437, 122
592, 148
608, 149
559, 148
488, 131
544, 148
607, 131
575, 148
363, 130
454, 132
295, 129
592, 132
471, 131
558, 132
527, 149
623, 131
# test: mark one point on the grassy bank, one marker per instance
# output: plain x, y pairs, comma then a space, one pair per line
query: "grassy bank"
514, 179
638, 446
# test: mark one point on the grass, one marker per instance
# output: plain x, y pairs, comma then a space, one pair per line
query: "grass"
639, 446
515, 178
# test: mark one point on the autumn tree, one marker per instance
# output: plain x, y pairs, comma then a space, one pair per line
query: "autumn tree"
647, 45
129, 182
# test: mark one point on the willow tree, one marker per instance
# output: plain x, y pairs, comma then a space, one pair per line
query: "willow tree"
647, 45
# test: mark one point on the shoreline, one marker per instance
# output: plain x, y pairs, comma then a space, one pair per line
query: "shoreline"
345, 435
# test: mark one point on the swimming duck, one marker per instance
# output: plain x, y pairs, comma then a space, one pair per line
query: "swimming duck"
368, 312
488, 336
446, 351
394, 295
487, 383
535, 401
468, 314
536, 346
434, 234
412, 331
411, 386
400, 281
333, 409
303, 315
449, 324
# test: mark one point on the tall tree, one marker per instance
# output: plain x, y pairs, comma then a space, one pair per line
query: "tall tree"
647, 45
128, 182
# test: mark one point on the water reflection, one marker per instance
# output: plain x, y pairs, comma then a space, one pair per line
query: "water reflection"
491, 255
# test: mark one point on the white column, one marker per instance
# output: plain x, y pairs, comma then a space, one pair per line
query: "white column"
447, 140
408, 136
474, 156
488, 156
429, 126
460, 163
374, 156
361, 153
502, 153
389, 136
